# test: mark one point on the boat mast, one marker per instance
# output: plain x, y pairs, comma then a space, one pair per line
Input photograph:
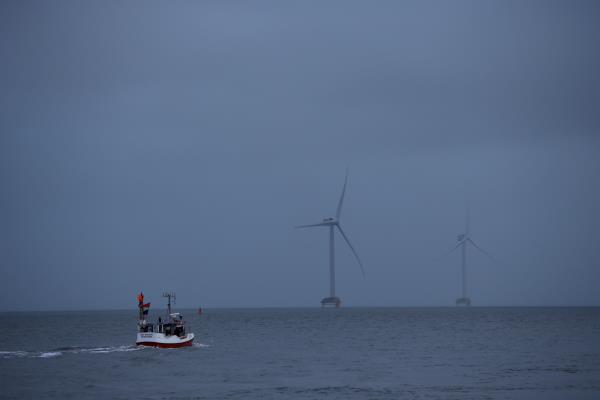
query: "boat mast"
140, 299
169, 295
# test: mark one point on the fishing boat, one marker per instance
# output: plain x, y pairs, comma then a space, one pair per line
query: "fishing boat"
170, 333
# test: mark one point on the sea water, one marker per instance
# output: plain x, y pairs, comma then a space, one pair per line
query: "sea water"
348, 353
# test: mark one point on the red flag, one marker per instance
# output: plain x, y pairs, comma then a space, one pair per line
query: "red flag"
147, 305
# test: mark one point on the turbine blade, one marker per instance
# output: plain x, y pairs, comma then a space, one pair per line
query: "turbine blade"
353, 251
481, 250
454, 248
339, 207
311, 225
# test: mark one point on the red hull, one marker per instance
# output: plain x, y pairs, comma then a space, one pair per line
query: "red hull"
166, 345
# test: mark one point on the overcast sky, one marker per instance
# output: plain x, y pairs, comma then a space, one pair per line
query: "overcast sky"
158, 146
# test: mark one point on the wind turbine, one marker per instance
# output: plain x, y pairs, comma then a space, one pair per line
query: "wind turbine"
332, 224
463, 240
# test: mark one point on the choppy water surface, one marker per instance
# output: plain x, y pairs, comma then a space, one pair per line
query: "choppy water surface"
381, 353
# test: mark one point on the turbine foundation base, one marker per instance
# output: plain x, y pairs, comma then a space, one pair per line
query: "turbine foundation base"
331, 302
463, 301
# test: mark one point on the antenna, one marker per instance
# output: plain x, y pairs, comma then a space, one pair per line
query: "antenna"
169, 296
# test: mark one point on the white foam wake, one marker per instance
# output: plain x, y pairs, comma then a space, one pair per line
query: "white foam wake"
103, 350
67, 350
50, 354
12, 354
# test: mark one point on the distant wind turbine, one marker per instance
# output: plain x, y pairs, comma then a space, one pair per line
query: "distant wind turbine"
333, 223
463, 240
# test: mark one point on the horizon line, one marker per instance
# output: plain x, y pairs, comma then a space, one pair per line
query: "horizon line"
133, 309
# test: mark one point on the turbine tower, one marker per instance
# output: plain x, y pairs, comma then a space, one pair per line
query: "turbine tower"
332, 224
463, 240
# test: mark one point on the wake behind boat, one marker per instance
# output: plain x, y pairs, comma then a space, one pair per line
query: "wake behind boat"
169, 334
